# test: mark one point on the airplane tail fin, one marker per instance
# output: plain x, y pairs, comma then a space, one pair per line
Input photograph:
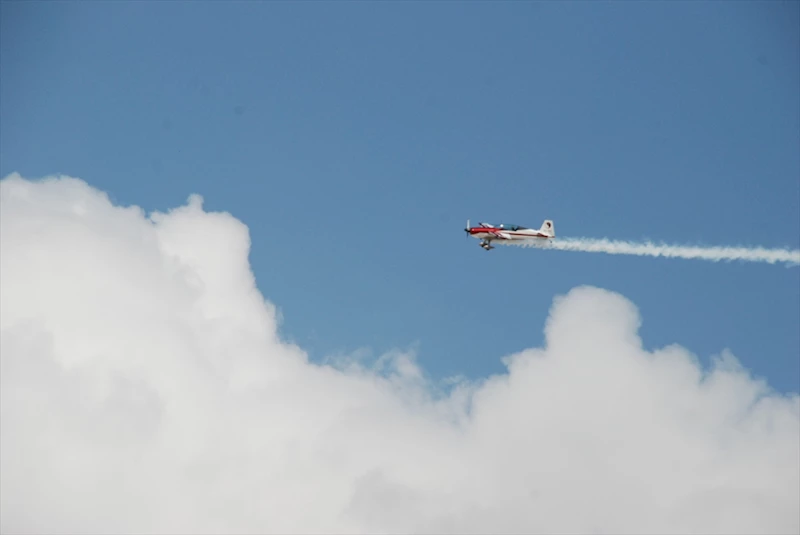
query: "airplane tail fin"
548, 228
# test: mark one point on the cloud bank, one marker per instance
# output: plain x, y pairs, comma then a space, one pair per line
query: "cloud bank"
145, 388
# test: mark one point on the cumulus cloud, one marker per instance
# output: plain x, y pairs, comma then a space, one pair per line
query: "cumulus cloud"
146, 388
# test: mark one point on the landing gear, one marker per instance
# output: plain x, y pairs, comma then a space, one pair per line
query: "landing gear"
486, 245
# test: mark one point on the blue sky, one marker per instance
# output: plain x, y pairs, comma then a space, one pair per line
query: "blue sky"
354, 139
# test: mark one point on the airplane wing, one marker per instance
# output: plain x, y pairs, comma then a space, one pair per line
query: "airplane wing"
485, 225
502, 235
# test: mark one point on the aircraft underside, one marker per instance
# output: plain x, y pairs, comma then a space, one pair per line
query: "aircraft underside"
531, 241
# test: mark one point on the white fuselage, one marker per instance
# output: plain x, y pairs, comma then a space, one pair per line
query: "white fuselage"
512, 235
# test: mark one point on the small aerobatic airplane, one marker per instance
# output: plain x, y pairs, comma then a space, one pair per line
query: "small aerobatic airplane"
510, 233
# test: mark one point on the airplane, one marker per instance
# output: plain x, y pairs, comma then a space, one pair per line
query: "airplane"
486, 233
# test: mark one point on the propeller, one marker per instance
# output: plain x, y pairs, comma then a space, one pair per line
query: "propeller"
466, 230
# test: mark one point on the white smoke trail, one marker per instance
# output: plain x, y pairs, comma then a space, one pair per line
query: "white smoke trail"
714, 254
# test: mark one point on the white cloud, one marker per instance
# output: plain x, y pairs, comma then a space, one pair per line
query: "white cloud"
145, 388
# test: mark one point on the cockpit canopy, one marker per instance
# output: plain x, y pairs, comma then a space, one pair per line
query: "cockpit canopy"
512, 227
